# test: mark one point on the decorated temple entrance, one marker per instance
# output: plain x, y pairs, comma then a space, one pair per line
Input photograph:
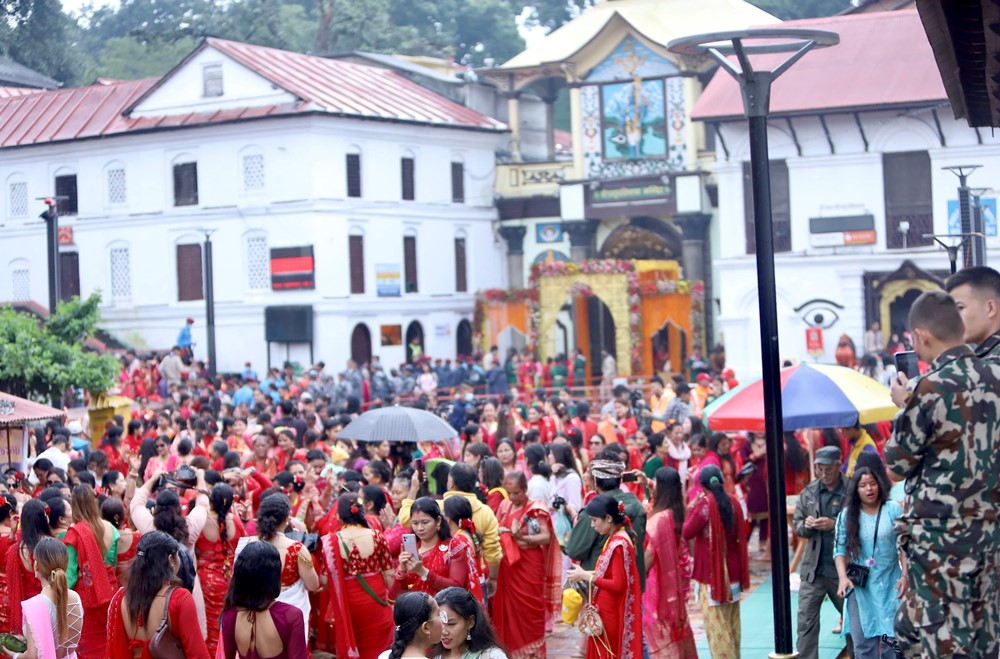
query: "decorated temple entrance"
640, 311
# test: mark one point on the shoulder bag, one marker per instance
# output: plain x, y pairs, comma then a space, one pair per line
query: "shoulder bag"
164, 645
858, 574
590, 622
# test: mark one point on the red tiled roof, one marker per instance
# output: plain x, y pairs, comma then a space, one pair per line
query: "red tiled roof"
323, 85
7, 92
883, 59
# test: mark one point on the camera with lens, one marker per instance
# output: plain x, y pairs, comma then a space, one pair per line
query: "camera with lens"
184, 477
558, 502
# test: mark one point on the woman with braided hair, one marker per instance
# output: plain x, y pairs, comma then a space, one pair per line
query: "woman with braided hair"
358, 569
465, 544
418, 627
616, 591
215, 550
721, 568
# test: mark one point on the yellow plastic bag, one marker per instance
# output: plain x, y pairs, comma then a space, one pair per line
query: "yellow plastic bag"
572, 602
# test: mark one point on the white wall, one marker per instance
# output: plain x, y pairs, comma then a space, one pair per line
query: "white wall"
847, 182
303, 203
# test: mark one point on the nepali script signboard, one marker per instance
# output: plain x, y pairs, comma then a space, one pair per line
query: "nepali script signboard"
647, 195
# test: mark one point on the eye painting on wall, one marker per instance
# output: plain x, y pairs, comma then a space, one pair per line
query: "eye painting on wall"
633, 120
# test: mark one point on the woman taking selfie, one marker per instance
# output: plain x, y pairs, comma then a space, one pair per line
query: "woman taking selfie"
254, 624
865, 550
465, 629
153, 596
429, 570
615, 584
53, 619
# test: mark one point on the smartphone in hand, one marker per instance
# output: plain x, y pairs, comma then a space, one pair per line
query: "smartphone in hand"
907, 363
410, 545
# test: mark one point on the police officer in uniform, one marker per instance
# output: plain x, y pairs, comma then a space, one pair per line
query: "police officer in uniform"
944, 443
815, 517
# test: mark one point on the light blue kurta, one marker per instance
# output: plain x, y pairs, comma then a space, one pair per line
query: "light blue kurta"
877, 601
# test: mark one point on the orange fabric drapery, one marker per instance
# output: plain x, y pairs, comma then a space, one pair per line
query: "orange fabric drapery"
582, 333
658, 309
501, 315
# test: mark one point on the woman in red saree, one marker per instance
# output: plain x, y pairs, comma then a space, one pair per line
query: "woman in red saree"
215, 549
721, 567
528, 584
615, 584
491, 475
359, 570
8, 537
92, 548
431, 571
22, 583
665, 622
465, 543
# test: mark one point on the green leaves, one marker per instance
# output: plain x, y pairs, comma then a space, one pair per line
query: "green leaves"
41, 360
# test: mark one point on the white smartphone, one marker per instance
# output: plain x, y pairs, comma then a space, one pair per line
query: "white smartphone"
410, 544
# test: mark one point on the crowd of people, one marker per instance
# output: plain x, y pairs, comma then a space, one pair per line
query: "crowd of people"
232, 519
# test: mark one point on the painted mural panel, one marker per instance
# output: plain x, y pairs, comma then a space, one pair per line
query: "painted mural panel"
632, 58
633, 122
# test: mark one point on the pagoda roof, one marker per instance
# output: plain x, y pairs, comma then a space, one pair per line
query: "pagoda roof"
654, 21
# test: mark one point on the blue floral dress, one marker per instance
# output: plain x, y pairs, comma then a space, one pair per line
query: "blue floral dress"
877, 601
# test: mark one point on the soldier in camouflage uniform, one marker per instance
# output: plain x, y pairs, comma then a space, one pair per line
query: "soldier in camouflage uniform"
944, 444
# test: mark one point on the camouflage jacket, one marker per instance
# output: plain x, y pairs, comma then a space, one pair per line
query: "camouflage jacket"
990, 348
944, 442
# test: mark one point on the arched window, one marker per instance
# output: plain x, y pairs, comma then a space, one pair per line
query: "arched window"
20, 280
17, 195
252, 161
361, 344
258, 262
120, 268
117, 189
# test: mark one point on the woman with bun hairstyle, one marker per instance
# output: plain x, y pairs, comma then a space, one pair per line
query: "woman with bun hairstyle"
466, 543
22, 583
465, 628
53, 619
491, 474
216, 549
113, 510
92, 547
154, 592
359, 571
616, 590
721, 567
418, 626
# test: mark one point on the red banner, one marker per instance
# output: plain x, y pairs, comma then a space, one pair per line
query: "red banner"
814, 341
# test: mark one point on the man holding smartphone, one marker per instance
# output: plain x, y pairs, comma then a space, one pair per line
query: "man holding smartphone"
944, 443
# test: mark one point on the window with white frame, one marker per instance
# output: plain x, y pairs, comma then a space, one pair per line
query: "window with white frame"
116, 185
258, 265
121, 274
253, 172
20, 284
19, 199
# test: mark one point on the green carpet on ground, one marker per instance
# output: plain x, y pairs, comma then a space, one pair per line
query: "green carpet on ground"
757, 621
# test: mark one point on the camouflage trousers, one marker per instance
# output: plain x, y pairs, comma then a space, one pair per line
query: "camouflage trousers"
952, 605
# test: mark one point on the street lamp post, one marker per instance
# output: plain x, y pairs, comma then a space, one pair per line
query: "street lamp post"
756, 88
971, 249
209, 303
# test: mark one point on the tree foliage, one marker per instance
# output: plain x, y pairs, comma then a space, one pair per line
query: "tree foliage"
35, 33
42, 360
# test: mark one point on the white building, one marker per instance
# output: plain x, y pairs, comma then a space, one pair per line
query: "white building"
859, 134
343, 188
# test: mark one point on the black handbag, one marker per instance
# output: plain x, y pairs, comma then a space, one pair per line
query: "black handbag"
858, 574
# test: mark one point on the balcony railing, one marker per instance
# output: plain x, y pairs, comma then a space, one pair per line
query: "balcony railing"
531, 179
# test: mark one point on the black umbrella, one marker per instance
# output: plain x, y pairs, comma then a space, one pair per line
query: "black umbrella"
397, 424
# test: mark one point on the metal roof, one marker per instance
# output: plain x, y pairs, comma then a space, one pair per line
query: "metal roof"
326, 86
18, 75
883, 60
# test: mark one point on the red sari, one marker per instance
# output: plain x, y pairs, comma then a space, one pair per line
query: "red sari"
618, 598
521, 608
495, 497
441, 572
180, 608
215, 569
5, 543
96, 585
665, 622
21, 585
363, 623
